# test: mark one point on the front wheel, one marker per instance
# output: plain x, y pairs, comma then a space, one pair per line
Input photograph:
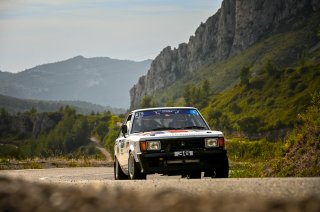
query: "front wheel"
222, 173
134, 170
194, 175
118, 173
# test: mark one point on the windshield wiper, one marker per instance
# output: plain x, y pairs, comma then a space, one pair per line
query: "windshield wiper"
194, 127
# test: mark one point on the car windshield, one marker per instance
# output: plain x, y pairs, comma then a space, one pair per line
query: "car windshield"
167, 119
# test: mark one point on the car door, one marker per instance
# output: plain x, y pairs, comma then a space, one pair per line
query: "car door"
123, 144
119, 148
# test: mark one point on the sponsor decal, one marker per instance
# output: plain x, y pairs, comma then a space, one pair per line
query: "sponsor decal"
166, 132
152, 133
178, 131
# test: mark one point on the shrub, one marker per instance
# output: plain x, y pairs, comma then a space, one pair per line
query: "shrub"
250, 124
302, 146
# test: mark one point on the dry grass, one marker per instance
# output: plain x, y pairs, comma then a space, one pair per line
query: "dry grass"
41, 163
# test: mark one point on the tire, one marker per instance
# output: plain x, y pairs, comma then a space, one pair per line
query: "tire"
194, 175
222, 172
134, 170
118, 173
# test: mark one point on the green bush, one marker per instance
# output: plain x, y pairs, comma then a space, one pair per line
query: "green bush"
261, 150
113, 133
302, 146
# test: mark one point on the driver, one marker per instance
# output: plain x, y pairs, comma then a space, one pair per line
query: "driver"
149, 125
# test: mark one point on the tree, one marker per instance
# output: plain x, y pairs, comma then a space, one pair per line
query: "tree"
272, 70
206, 87
4, 113
170, 103
147, 102
112, 134
250, 124
197, 96
235, 108
244, 75
187, 94
33, 111
204, 93
69, 111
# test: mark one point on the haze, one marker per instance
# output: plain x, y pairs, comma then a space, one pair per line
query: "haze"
34, 32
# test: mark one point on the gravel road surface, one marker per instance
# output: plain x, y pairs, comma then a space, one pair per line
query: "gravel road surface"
99, 177
93, 189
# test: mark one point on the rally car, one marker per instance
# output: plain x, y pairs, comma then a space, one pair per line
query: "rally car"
169, 141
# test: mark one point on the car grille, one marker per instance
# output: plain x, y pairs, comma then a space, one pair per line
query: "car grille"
182, 144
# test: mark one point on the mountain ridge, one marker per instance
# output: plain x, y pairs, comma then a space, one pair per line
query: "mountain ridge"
86, 79
236, 26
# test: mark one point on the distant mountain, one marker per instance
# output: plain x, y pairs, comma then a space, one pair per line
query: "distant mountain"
100, 80
14, 105
5, 76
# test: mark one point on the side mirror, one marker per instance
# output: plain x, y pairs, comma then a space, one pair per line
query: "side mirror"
124, 130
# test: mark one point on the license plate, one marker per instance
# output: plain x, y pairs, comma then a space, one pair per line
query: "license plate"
183, 153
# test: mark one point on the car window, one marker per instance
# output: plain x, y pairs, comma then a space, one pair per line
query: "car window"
167, 119
128, 123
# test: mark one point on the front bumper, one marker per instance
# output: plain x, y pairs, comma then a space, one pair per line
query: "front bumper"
168, 164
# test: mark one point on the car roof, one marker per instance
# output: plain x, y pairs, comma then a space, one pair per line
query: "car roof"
162, 108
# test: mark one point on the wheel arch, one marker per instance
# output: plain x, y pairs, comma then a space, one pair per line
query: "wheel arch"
134, 153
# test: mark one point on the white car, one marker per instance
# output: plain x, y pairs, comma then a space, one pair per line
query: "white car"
169, 141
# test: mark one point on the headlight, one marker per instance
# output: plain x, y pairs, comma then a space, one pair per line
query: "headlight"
211, 142
153, 145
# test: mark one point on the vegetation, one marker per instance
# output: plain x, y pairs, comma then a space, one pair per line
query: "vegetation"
297, 156
248, 94
147, 102
244, 76
249, 158
114, 126
302, 146
15, 105
46, 135
197, 95
256, 97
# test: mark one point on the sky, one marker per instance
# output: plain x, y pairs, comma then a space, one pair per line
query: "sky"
35, 32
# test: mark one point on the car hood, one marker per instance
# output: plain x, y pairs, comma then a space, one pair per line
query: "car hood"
177, 134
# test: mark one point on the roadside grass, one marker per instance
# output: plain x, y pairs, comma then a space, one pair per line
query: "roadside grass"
56, 162
252, 158
246, 169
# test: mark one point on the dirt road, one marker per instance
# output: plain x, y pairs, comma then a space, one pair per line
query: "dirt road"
101, 149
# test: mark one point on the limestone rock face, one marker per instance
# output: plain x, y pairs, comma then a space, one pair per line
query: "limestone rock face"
236, 26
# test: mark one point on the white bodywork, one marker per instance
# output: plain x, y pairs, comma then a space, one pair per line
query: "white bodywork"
129, 143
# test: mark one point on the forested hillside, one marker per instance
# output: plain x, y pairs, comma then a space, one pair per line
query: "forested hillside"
260, 91
15, 105
52, 134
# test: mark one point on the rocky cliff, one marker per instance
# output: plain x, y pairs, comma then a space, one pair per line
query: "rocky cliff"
236, 26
